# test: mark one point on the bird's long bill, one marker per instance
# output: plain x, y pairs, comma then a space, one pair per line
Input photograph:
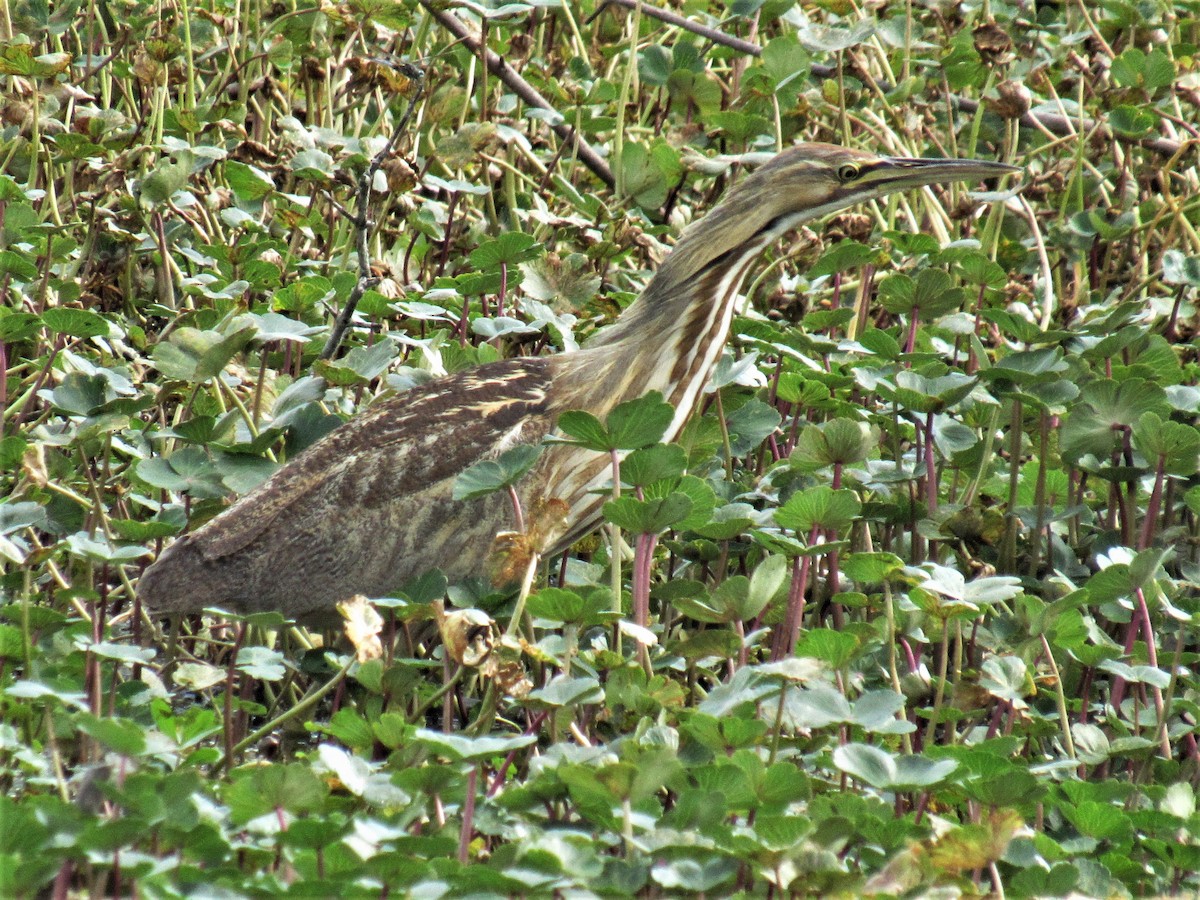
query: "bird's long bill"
897, 173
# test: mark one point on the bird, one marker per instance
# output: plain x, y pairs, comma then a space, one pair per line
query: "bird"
369, 506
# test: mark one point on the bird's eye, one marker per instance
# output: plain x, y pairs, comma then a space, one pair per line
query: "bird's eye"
847, 172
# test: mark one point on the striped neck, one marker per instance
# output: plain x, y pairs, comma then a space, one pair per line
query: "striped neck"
671, 338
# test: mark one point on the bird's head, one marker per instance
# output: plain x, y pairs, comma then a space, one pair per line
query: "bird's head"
809, 181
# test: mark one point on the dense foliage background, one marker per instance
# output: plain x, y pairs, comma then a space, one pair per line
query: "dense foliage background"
921, 577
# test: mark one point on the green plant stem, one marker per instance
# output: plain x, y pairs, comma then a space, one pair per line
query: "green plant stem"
448, 685
725, 441
1008, 549
468, 816
1060, 698
300, 709
940, 691
627, 88
1039, 497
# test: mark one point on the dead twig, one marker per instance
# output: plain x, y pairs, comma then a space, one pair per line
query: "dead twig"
522, 88
362, 222
672, 18
1060, 126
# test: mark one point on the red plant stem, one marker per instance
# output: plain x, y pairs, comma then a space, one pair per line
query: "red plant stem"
866, 287
832, 580
972, 359
994, 724
468, 820
773, 447
772, 389
1131, 636
230, 676
463, 321
1155, 504
789, 633
643, 556
503, 289
1085, 690
498, 781
1143, 611
518, 516
911, 341
62, 881
59, 343
3, 381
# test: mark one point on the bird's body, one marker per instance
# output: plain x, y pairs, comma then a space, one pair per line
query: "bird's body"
369, 506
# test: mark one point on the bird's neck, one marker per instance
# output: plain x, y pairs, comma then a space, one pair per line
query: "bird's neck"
670, 339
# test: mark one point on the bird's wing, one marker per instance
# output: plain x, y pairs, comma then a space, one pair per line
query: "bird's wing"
399, 447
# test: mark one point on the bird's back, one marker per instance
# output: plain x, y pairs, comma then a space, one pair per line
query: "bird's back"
368, 506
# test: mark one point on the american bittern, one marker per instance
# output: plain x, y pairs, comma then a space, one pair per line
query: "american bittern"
369, 506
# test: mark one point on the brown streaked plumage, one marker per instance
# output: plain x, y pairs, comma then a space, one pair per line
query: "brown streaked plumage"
369, 506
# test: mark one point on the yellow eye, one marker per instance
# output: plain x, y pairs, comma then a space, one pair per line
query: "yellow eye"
847, 172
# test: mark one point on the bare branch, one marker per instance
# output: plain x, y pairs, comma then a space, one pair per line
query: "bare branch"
1060, 126
671, 18
361, 221
522, 88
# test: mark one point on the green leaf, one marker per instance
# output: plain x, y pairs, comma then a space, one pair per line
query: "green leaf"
929, 295
1173, 445
922, 395
639, 423
659, 462
1132, 121
361, 365
726, 522
1180, 269
881, 770
310, 165
459, 748
119, 735
837, 648
81, 323
491, 475
650, 516
166, 179
590, 607
249, 183
838, 441
842, 257
821, 507
1093, 427
649, 173
19, 59
261, 662
655, 65
586, 429
765, 584
564, 692
426, 588
351, 729
630, 426
196, 356
704, 501
751, 424
188, 470
261, 789
1128, 67
871, 568
510, 248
